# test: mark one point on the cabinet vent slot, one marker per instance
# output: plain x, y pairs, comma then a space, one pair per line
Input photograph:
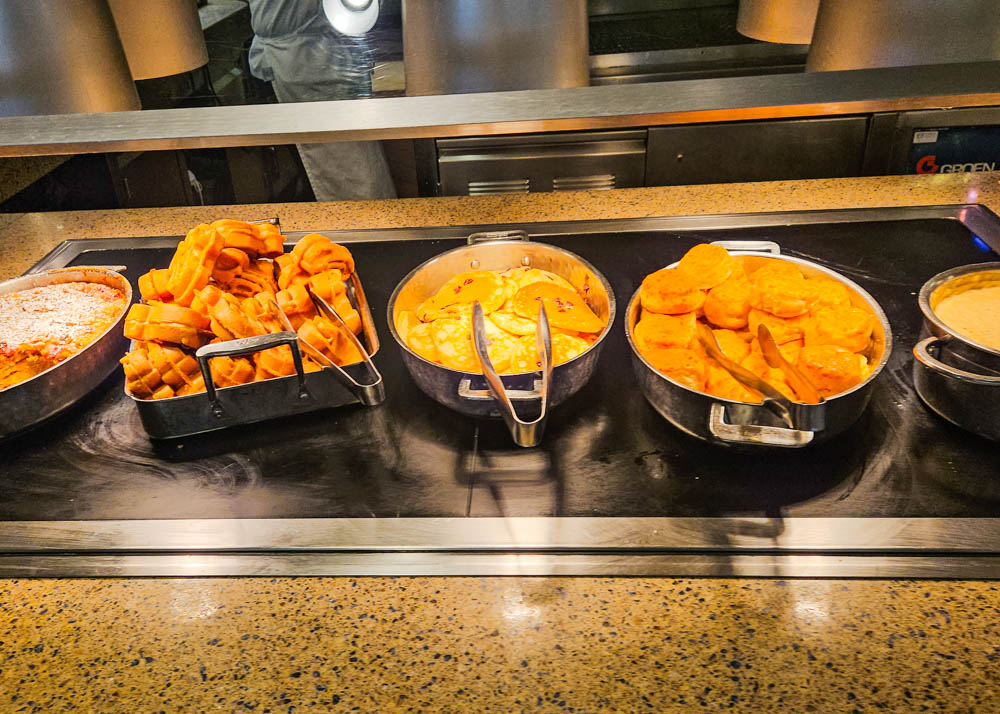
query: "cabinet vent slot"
480, 188
599, 182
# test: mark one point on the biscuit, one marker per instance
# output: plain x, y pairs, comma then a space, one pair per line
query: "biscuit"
682, 365
843, 326
832, 369
781, 295
670, 292
783, 329
660, 331
708, 265
721, 383
829, 293
732, 345
728, 303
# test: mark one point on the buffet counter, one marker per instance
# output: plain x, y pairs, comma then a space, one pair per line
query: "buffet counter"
515, 643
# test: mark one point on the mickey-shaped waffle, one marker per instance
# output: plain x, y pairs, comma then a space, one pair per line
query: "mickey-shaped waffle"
220, 285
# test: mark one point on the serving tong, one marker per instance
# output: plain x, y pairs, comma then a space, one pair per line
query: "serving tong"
525, 433
369, 393
792, 413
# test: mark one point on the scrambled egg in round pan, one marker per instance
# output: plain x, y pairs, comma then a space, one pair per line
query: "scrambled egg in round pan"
440, 329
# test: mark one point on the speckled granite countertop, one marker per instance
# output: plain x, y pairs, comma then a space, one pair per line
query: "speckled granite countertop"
499, 644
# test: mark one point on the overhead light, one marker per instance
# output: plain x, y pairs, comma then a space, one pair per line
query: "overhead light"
351, 17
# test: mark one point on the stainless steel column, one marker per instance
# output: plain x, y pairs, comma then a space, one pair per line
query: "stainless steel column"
160, 38
454, 46
857, 34
61, 57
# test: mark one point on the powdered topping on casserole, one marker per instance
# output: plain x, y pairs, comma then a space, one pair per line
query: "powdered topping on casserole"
40, 327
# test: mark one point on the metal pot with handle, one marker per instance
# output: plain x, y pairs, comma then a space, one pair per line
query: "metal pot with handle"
731, 423
470, 393
956, 376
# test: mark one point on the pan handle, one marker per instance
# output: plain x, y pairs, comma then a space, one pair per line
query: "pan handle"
922, 353
465, 391
754, 433
764, 246
233, 348
496, 235
524, 433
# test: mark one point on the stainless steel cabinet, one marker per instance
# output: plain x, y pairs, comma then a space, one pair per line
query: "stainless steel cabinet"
541, 162
756, 151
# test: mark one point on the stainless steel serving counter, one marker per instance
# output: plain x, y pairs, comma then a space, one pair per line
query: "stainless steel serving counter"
416, 489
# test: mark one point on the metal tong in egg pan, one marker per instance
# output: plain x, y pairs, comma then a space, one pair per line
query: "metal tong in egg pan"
524, 433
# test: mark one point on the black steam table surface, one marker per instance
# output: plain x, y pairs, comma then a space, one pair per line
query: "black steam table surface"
412, 487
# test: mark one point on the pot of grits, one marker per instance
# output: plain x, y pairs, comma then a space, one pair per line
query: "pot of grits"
956, 367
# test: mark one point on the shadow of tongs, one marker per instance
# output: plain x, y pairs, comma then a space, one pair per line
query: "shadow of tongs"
781, 406
369, 394
524, 433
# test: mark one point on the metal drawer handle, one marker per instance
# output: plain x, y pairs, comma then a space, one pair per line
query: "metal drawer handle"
754, 433
763, 246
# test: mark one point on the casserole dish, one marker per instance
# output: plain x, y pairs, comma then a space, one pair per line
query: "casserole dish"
34, 400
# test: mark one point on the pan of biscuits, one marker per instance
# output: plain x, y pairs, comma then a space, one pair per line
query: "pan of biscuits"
817, 338
237, 330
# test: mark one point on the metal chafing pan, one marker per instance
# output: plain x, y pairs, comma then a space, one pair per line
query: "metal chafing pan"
471, 393
34, 400
954, 375
732, 423
302, 392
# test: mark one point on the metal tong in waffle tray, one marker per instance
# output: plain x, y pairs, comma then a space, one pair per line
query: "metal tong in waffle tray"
301, 392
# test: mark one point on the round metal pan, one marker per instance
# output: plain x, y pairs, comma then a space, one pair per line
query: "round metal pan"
731, 423
34, 400
467, 392
957, 377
